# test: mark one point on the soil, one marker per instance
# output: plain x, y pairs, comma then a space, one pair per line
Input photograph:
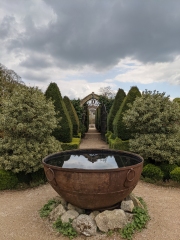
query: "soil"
20, 220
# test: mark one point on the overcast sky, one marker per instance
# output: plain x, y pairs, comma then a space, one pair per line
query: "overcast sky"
83, 45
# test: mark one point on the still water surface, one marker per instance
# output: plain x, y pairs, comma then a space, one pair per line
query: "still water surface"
91, 161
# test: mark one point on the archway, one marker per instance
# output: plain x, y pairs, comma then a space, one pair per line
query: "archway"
92, 101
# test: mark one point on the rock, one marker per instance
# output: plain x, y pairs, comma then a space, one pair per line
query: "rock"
127, 205
70, 214
85, 225
94, 214
129, 216
72, 207
109, 220
61, 200
136, 201
57, 212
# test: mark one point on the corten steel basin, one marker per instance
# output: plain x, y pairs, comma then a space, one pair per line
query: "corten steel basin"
96, 188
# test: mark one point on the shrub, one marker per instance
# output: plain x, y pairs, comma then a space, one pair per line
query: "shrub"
8, 180
166, 169
153, 172
121, 145
72, 145
114, 109
62, 133
153, 121
175, 174
107, 135
73, 115
119, 127
27, 120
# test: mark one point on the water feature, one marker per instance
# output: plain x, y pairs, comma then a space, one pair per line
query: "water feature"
93, 178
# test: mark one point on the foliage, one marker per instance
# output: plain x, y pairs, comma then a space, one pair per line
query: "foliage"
8, 179
86, 117
166, 169
65, 228
107, 92
140, 219
175, 174
115, 107
47, 208
119, 127
62, 133
8, 80
73, 115
177, 100
27, 120
72, 145
107, 135
153, 172
108, 102
98, 119
77, 106
118, 144
153, 121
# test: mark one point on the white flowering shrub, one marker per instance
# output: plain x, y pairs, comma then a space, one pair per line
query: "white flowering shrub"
27, 120
153, 121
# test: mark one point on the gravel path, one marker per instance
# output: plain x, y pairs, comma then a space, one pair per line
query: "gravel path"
19, 217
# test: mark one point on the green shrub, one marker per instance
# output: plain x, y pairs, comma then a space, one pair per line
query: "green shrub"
121, 145
72, 145
73, 115
8, 180
86, 122
27, 119
175, 174
107, 136
119, 127
166, 169
153, 121
63, 132
114, 109
153, 172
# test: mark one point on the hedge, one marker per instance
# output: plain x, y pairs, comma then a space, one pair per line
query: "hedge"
73, 115
72, 145
175, 174
8, 179
119, 127
115, 107
64, 132
153, 172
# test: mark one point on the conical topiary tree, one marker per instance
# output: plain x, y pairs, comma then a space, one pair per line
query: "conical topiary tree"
72, 114
115, 107
63, 132
119, 128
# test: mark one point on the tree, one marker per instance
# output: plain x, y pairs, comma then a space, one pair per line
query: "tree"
154, 122
115, 107
107, 92
63, 132
73, 115
119, 128
8, 80
27, 120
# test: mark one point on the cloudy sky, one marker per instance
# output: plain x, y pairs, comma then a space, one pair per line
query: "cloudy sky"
83, 45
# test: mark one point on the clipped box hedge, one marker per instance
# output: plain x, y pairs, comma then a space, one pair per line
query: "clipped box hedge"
8, 180
72, 145
175, 174
116, 143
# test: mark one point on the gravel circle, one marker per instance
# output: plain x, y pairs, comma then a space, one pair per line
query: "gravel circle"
20, 220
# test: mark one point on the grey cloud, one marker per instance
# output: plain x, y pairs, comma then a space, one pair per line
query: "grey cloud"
100, 33
7, 27
36, 62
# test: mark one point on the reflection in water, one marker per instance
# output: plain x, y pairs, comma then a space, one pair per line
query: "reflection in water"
91, 161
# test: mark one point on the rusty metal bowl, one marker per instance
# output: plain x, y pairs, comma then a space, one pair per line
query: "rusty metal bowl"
94, 188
